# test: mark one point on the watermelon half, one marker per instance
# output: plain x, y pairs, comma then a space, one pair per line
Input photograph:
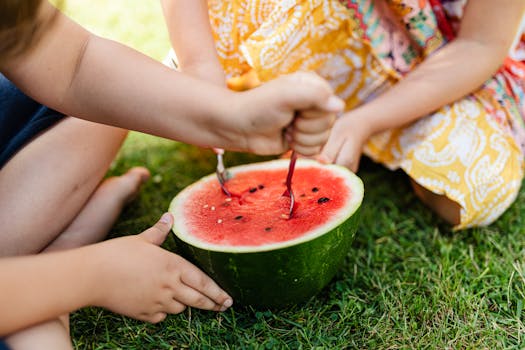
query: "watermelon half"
249, 245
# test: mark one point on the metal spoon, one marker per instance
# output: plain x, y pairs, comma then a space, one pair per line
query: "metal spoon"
288, 192
222, 173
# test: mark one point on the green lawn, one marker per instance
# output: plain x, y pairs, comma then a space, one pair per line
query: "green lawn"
409, 282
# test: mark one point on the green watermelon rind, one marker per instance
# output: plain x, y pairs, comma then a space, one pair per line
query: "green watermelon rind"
354, 202
291, 273
275, 279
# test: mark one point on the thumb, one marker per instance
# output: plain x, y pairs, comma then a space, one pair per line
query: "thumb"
332, 104
157, 234
309, 90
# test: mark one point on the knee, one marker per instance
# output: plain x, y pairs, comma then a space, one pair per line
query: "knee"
444, 207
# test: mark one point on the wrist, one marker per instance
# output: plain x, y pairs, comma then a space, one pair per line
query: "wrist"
371, 118
366, 127
223, 120
229, 121
94, 271
75, 273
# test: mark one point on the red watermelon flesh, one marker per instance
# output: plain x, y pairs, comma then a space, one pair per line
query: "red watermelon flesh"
257, 213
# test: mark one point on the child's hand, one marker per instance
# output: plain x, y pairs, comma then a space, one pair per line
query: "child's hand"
139, 279
301, 104
344, 147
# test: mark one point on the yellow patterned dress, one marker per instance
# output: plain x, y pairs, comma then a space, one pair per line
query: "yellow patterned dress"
471, 150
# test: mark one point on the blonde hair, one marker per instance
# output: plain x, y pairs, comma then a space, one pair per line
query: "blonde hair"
20, 26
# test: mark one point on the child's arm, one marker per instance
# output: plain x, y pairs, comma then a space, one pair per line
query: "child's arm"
85, 76
459, 68
130, 275
190, 34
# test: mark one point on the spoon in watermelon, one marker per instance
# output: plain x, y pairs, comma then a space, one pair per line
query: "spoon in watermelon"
288, 192
222, 174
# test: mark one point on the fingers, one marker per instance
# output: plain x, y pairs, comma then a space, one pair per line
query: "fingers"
333, 104
349, 157
202, 291
156, 318
157, 234
310, 128
342, 152
174, 307
307, 144
189, 288
185, 295
311, 121
310, 131
193, 289
330, 150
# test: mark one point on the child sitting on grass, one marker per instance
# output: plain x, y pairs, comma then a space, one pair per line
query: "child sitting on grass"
429, 85
53, 198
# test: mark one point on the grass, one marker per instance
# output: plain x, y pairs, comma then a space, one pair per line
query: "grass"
408, 282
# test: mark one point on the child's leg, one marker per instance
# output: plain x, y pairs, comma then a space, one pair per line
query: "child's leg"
50, 335
47, 183
462, 160
446, 208
90, 225
52, 196
101, 211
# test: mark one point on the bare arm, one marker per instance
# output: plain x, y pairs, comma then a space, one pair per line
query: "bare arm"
115, 274
459, 68
89, 77
80, 74
191, 37
41, 287
486, 34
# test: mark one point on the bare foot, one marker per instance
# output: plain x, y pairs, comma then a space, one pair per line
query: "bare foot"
126, 187
94, 221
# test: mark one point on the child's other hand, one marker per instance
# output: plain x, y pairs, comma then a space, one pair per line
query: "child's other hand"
137, 278
345, 144
295, 110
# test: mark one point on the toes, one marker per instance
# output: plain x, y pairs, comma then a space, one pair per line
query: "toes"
131, 182
140, 172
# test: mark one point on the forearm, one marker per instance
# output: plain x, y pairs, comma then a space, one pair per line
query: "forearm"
455, 71
461, 67
141, 94
92, 78
42, 287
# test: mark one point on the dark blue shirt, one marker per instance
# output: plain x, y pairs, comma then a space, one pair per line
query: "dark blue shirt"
21, 119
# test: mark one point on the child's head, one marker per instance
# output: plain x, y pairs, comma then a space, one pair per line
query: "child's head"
21, 23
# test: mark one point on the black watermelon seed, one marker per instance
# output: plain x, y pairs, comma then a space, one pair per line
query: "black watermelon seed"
323, 200
239, 217
260, 187
315, 189
253, 189
267, 229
